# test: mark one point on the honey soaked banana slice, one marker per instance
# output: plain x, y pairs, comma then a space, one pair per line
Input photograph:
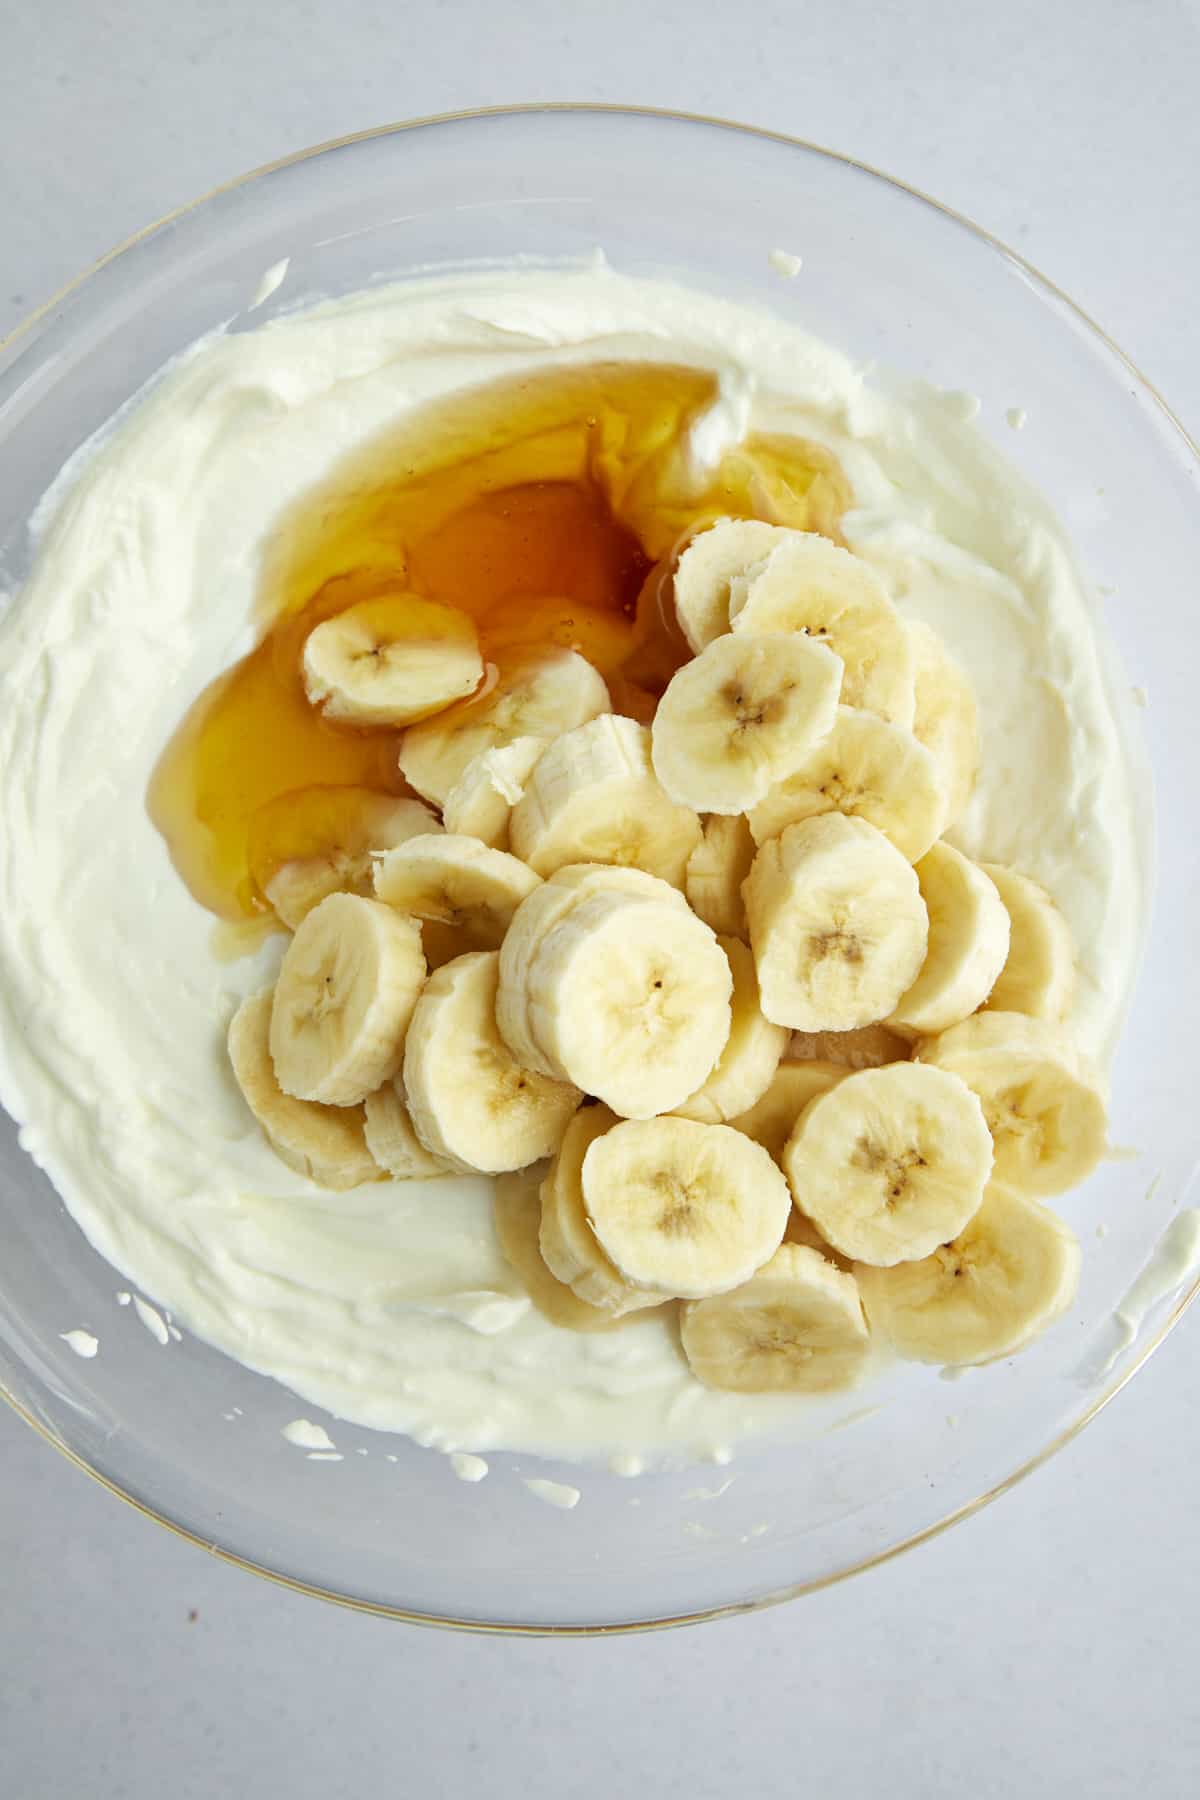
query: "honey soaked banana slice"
391, 661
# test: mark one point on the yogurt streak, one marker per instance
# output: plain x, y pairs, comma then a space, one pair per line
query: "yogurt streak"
113, 1007
307, 1436
81, 1342
554, 1493
468, 1468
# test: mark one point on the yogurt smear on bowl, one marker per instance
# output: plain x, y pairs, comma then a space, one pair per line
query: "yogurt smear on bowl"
392, 1305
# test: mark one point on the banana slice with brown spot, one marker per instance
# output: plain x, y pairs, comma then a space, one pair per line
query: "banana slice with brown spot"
391, 660
888, 1164
629, 999
741, 716
837, 925
987, 1293
683, 1208
806, 584
469, 1101
868, 770
795, 1327
1044, 1102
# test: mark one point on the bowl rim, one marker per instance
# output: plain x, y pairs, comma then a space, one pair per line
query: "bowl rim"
28, 325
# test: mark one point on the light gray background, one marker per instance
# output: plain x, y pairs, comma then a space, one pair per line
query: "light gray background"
1046, 1646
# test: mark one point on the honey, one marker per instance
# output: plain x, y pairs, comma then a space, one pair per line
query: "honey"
544, 506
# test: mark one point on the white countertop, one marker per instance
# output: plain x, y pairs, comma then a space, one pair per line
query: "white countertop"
1050, 1644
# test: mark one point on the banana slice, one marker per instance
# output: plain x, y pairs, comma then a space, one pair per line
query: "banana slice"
568, 1244
796, 1327
945, 717
870, 1047
809, 585
752, 1051
629, 999
549, 903
988, 1293
772, 1119
741, 717
456, 881
1039, 976
468, 1100
480, 803
968, 944
889, 1164
517, 1208
391, 660
534, 693
868, 770
837, 925
326, 1143
1044, 1103
393, 1142
683, 1208
715, 872
316, 841
594, 797
346, 990
707, 567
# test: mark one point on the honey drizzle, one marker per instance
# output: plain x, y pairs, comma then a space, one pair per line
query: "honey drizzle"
539, 505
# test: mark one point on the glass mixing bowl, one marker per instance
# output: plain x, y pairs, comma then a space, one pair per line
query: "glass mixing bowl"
192, 1438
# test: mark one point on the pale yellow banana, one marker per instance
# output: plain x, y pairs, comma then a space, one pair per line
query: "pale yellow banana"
469, 1102
868, 770
682, 1208
1043, 1101
889, 1163
346, 990
741, 716
797, 1327
752, 1050
326, 1143
987, 1293
837, 924
594, 797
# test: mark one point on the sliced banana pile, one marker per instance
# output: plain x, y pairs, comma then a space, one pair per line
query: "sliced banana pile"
696, 976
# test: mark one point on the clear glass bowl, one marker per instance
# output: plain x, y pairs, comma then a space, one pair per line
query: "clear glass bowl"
194, 1439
